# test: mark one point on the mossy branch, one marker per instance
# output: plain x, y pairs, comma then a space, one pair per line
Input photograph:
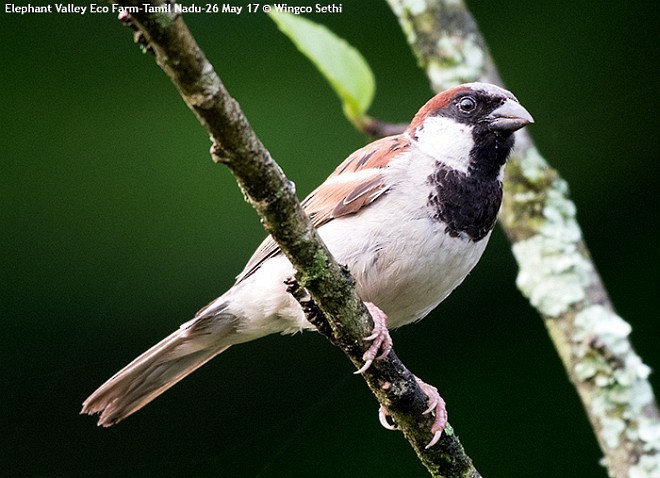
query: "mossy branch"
556, 272
343, 318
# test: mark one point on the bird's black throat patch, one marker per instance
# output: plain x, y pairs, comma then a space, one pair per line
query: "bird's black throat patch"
467, 203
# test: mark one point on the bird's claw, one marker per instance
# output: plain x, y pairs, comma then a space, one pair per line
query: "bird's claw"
436, 405
382, 417
379, 349
380, 337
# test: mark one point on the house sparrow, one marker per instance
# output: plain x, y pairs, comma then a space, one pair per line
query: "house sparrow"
410, 216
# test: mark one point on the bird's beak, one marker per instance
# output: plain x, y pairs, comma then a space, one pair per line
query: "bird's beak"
511, 116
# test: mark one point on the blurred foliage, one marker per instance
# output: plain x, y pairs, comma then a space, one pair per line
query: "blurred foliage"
341, 64
116, 227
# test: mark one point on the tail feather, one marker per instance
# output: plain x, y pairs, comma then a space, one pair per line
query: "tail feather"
160, 367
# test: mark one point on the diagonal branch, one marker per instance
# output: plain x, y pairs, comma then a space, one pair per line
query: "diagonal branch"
343, 318
556, 274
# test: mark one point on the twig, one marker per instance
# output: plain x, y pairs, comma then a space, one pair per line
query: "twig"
266, 188
556, 273
379, 129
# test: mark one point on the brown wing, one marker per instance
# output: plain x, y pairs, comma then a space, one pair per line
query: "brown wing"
356, 183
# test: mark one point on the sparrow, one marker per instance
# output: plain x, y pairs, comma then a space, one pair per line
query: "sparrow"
410, 216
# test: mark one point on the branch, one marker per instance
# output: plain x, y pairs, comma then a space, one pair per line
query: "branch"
380, 129
556, 273
343, 318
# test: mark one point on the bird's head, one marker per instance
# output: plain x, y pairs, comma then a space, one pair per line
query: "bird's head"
469, 127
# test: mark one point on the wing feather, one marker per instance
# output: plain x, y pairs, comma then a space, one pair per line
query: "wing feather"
354, 185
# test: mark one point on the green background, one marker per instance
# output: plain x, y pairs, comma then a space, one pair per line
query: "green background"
115, 227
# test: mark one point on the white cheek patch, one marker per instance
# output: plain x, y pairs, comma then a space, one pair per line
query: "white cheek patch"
446, 141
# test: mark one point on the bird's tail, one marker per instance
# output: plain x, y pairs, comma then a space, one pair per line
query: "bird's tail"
159, 368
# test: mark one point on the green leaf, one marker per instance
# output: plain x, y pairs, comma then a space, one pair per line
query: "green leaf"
342, 65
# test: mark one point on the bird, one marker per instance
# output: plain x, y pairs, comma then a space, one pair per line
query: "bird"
409, 215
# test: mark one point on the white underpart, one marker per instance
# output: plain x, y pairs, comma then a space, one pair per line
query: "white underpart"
453, 139
403, 260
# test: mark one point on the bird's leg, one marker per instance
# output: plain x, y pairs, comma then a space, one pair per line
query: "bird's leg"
382, 342
379, 348
436, 406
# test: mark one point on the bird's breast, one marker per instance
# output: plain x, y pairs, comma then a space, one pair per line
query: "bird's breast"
467, 204
402, 258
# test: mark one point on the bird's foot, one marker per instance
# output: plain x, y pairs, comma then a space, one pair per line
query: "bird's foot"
436, 406
379, 348
382, 342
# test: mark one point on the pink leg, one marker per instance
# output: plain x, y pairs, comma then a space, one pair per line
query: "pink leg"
382, 342
436, 406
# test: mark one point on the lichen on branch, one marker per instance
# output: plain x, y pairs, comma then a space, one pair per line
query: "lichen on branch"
556, 272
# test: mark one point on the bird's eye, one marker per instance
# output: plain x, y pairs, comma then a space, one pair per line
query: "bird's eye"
467, 104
